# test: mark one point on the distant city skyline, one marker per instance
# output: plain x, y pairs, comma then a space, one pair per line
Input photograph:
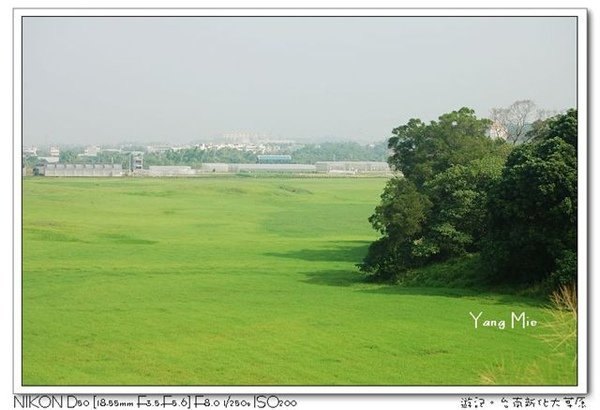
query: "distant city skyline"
109, 80
233, 138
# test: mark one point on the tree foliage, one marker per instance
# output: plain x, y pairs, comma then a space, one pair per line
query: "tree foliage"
67, 156
533, 208
462, 192
459, 194
338, 151
420, 151
195, 157
432, 211
399, 218
560, 126
511, 122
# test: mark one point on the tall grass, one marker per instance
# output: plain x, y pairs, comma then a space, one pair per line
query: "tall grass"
559, 332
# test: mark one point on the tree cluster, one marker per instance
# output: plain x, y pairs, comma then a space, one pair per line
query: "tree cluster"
461, 192
532, 209
339, 151
195, 157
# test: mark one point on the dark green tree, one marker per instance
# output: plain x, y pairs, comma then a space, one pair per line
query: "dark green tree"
338, 151
533, 208
421, 151
399, 218
436, 209
457, 220
562, 126
68, 156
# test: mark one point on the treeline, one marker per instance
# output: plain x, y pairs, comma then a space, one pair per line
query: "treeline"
307, 154
339, 151
195, 157
463, 193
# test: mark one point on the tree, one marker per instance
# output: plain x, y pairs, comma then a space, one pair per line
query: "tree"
435, 210
562, 126
402, 210
67, 156
533, 208
399, 218
457, 220
511, 123
338, 151
421, 151
465, 193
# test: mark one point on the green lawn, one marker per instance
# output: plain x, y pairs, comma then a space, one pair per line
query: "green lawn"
245, 281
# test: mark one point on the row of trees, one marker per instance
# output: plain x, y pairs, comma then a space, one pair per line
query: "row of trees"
339, 151
307, 154
462, 192
194, 157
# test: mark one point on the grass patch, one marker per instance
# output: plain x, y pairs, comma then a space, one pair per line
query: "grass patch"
559, 332
236, 285
456, 273
468, 273
294, 190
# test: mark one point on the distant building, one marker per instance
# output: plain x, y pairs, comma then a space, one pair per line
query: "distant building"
274, 168
274, 159
91, 151
54, 152
257, 168
136, 162
158, 148
30, 152
214, 167
352, 167
330, 167
49, 160
170, 171
82, 170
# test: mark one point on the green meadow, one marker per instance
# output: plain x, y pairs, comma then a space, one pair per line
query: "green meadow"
247, 281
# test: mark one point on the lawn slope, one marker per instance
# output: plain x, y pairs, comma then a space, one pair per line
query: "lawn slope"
243, 281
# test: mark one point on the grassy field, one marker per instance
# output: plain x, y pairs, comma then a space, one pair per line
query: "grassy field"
246, 281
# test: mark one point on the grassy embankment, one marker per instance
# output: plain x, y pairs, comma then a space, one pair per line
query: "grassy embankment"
246, 281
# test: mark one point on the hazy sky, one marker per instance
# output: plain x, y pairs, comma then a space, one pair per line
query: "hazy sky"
106, 80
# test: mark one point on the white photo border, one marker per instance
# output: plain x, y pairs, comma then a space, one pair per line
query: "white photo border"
582, 105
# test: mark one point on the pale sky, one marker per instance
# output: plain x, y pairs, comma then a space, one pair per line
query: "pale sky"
105, 80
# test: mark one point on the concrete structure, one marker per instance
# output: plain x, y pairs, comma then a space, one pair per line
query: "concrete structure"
276, 168
158, 148
352, 167
324, 167
247, 168
115, 150
136, 162
83, 170
30, 151
54, 152
274, 159
50, 160
91, 151
170, 171
219, 167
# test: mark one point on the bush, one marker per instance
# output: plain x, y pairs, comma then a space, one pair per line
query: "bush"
566, 270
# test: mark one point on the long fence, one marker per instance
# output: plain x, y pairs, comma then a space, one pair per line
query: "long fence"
332, 168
